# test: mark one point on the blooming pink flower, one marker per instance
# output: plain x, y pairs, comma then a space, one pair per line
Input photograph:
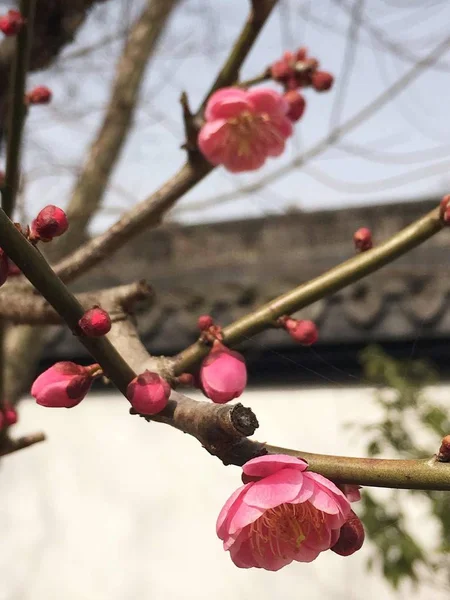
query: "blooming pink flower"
95, 322
148, 393
64, 385
51, 222
243, 128
286, 513
223, 374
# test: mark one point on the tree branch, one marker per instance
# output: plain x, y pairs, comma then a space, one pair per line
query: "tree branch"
149, 212
9, 445
17, 108
31, 309
330, 282
105, 150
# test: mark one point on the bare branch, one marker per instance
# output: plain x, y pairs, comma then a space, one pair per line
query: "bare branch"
9, 446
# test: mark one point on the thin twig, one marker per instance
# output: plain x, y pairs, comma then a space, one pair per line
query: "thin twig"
9, 445
330, 282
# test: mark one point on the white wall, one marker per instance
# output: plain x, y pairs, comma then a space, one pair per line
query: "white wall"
113, 508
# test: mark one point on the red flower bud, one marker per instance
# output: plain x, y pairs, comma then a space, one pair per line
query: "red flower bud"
10, 415
95, 322
351, 536
444, 450
301, 53
223, 374
39, 95
204, 322
11, 23
303, 331
148, 393
281, 70
297, 104
64, 385
186, 379
322, 81
363, 239
444, 213
4, 267
51, 222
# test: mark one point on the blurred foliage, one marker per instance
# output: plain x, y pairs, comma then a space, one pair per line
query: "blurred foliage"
411, 426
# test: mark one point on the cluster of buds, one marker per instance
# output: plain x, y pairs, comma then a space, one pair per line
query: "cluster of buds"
8, 416
95, 322
303, 331
39, 95
11, 23
51, 222
65, 384
297, 70
363, 239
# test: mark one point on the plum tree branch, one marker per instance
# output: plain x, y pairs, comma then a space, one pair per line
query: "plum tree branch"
32, 309
330, 282
105, 150
150, 211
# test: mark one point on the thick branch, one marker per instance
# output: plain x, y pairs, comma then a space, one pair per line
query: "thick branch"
330, 282
105, 150
39, 273
31, 309
427, 474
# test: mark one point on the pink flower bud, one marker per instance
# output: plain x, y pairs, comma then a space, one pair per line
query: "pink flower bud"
204, 322
223, 374
322, 81
10, 415
148, 393
186, 379
39, 95
351, 536
444, 450
11, 23
281, 70
301, 53
363, 239
64, 385
95, 322
4, 267
297, 104
444, 213
304, 331
51, 222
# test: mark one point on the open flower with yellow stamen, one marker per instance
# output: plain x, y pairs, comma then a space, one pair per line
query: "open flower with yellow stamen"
283, 513
244, 127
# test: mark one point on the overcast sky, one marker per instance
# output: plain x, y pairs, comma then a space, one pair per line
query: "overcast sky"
401, 152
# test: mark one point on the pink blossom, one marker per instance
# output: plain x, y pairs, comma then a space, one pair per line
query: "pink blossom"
243, 128
148, 393
223, 374
64, 385
51, 222
286, 513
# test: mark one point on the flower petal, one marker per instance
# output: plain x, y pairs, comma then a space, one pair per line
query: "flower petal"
275, 489
326, 496
227, 103
228, 511
265, 100
213, 140
271, 463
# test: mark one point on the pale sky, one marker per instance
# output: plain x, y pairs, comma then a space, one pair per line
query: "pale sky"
402, 152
